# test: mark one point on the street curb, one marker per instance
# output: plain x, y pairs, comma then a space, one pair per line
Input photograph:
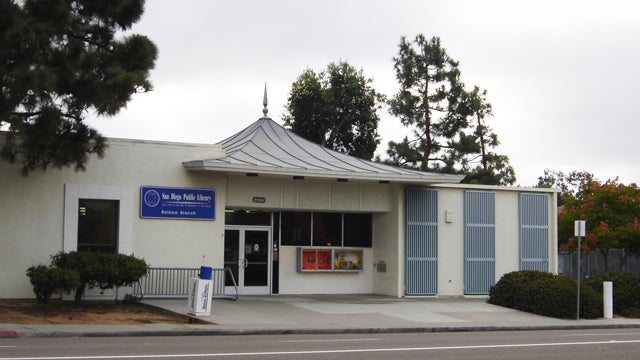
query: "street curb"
236, 332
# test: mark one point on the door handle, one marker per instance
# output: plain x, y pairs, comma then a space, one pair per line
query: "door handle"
243, 263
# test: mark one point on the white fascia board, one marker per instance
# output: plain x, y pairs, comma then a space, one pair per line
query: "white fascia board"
495, 187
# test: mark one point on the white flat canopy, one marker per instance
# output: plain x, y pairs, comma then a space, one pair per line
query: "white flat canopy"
267, 148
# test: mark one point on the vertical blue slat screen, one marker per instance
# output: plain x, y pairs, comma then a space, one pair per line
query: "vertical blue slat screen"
421, 272
534, 232
479, 241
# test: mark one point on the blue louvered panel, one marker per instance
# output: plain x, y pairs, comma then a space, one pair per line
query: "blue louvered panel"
479, 275
534, 232
424, 278
421, 242
479, 241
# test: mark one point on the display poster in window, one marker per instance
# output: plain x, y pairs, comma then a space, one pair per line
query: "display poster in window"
324, 259
329, 260
309, 260
314, 259
348, 260
177, 203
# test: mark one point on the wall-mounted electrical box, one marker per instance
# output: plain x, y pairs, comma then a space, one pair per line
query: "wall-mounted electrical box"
448, 216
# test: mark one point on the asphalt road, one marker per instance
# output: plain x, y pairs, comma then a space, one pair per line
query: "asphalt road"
567, 345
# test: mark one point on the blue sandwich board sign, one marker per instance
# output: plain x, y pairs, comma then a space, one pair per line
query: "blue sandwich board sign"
177, 203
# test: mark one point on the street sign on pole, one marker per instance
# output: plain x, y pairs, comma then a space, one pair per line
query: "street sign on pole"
580, 230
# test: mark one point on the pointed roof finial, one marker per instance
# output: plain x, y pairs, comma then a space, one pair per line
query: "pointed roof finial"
264, 102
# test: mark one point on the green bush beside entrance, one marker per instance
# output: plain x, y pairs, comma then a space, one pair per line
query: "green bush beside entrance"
87, 269
47, 280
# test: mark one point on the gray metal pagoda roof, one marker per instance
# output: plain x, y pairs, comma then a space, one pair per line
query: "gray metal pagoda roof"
266, 147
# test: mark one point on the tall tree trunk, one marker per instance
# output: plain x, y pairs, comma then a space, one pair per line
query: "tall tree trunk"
483, 150
427, 127
79, 292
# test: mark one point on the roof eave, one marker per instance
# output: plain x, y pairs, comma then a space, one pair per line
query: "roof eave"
200, 165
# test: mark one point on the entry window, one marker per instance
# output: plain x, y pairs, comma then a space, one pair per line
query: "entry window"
358, 230
325, 229
98, 225
296, 228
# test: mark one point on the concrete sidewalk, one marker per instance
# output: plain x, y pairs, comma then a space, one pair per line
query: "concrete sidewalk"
287, 314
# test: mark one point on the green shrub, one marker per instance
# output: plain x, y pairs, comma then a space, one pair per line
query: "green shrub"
85, 264
631, 312
122, 270
515, 289
626, 289
545, 294
556, 297
101, 269
48, 280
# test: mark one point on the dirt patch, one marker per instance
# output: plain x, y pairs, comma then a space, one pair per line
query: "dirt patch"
89, 312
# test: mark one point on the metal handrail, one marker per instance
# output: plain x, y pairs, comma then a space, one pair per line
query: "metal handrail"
162, 282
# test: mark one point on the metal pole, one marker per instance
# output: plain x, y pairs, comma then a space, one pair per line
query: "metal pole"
580, 227
578, 306
607, 299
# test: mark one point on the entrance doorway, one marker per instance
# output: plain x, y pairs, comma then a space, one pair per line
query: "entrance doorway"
247, 253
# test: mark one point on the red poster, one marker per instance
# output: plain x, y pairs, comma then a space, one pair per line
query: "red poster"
324, 259
309, 260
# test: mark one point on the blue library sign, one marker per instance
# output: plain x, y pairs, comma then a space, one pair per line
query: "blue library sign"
177, 203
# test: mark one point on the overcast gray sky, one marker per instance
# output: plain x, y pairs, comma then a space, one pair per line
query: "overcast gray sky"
562, 76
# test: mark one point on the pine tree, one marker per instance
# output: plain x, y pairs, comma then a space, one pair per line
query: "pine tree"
448, 123
60, 59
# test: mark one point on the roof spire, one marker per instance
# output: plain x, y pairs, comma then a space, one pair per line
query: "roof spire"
264, 102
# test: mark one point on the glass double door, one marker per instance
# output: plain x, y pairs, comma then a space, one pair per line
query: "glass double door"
247, 253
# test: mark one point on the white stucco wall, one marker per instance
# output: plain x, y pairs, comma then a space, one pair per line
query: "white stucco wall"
388, 247
451, 234
451, 242
31, 220
507, 232
33, 209
306, 194
294, 282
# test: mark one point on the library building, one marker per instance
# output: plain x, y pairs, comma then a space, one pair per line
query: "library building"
282, 214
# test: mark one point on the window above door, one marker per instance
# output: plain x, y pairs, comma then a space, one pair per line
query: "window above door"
247, 217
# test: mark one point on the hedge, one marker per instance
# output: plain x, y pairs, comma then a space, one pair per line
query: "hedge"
626, 291
545, 294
